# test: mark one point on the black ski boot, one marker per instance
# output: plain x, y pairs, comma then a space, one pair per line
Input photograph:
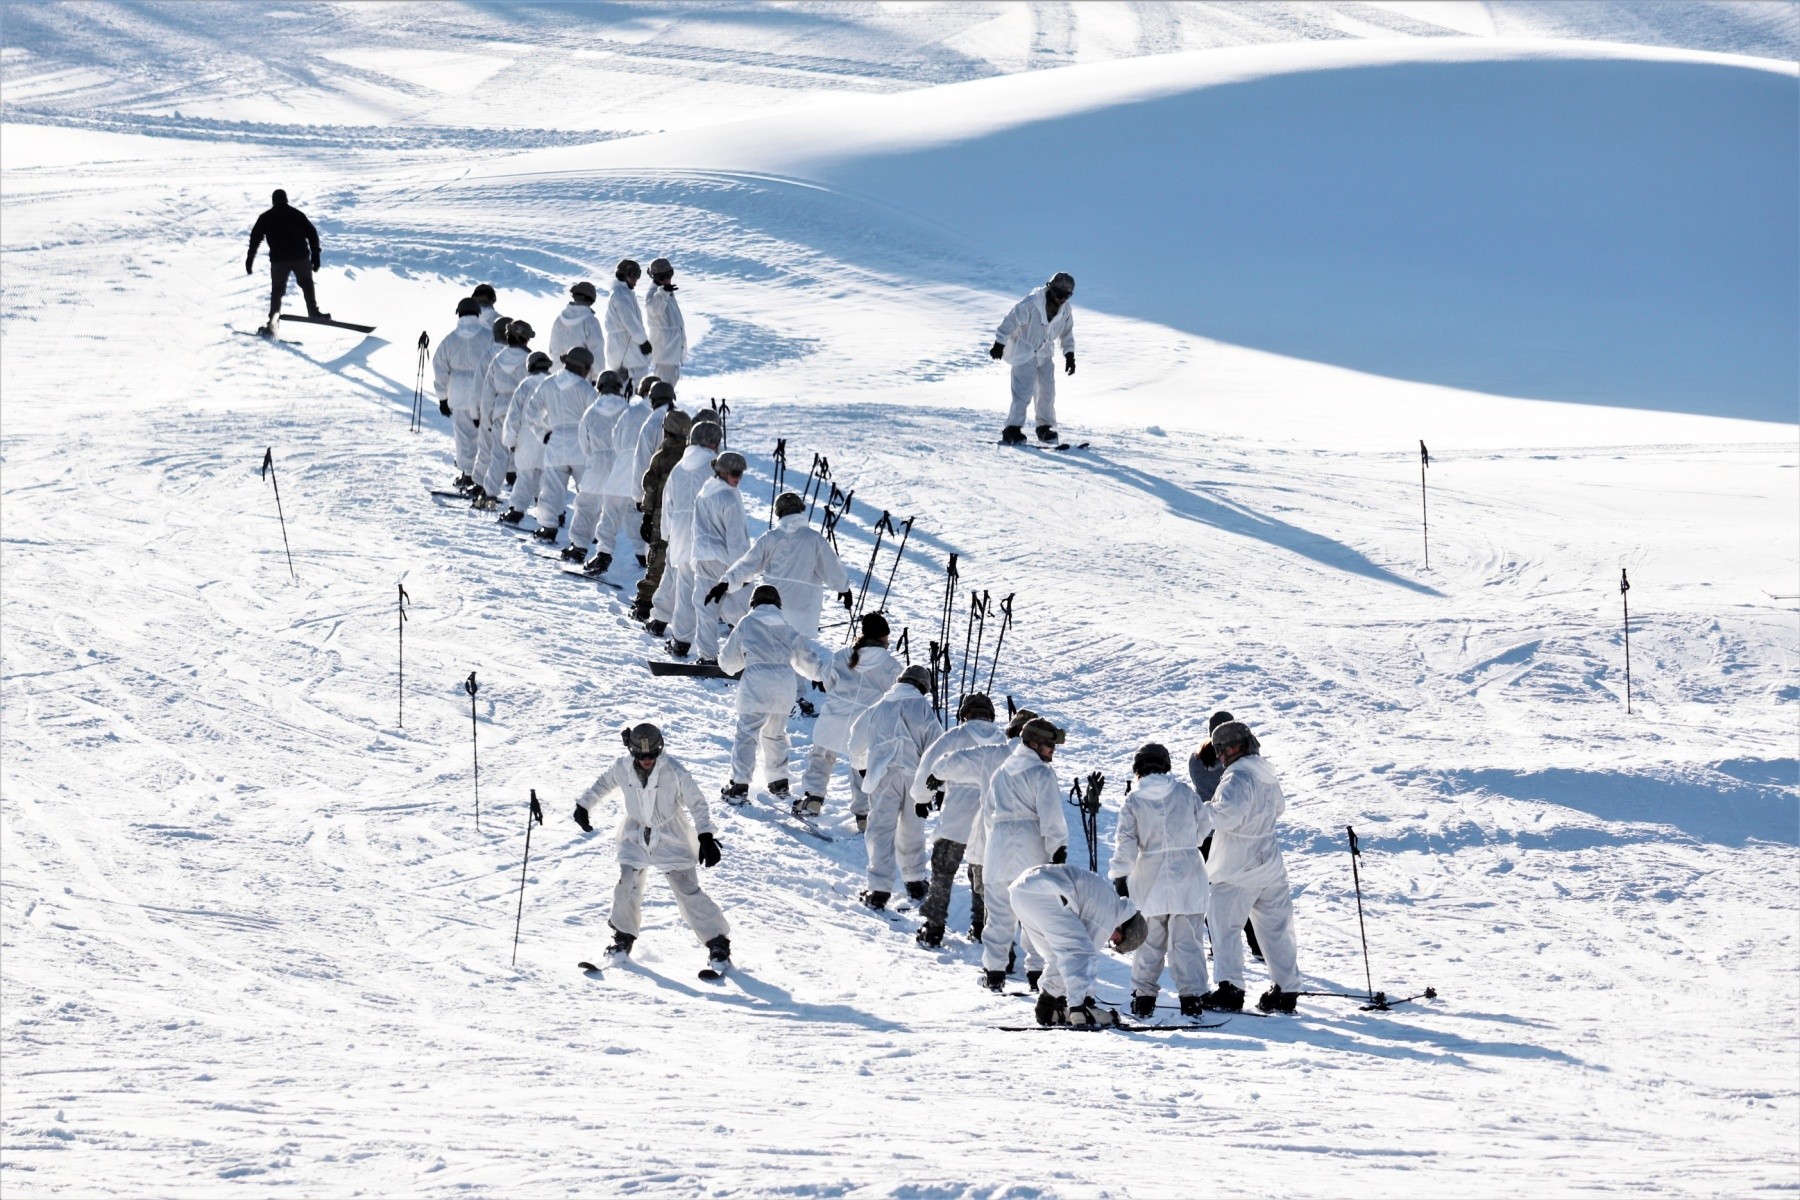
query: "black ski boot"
930, 935
640, 612
704, 661
546, 534
1012, 435
511, 516
806, 708
735, 793
1052, 1010
478, 496
975, 930
1046, 433
875, 899
463, 483
621, 944
1031, 980
599, 564
574, 553
1191, 1006
1227, 997
994, 981
1012, 958
862, 822
654, 627
809, 805
778, 787
643, 561
918, 889
677, 649
1143, 1007
718, 955
1277, 1001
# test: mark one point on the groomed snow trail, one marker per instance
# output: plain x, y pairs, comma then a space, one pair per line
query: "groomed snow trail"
253, 939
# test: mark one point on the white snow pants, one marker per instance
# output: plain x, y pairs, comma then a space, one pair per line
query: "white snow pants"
895, 831
767, 731
697, 908
499, 463
1002, 925
707, 616
1070, 960
524, 489
1179, 939
682, 623
1271, 914
819, 762
585, 517
619, 517
553, 495
462, 425
487, 445
1033, 379
667, 372
804, 617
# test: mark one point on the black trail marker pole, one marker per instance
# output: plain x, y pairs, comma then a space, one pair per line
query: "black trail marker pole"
268, 473
999, 641
418, 408
905, 536
535, 815
777, 476
1625, 600
1424, 512
403, 600
471, 687
1356, 876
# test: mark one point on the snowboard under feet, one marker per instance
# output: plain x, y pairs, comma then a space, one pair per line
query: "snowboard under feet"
697, 670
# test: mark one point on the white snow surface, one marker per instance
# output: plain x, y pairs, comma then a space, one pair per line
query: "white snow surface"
251, 940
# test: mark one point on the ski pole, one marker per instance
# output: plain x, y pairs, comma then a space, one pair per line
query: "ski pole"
268, 473
535, 814
883, 526
471, 687
777, 476
816, 475
1625, 601
977, 617
905, 536
403, 599
1356, 876
832, 516
980, 636
1424, 512
1000, 640
903, 648
419, 383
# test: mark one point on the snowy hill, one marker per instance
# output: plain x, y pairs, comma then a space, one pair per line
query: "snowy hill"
252, 938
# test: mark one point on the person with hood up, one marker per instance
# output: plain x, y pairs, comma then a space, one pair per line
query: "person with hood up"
618, 490
680, 492
972, 767
762, 646
524, 442
1249, 878
1025, 340
798, 560
651, 589
1069, 913
666, 330
628, 346
1205, 769
960, 804
665, 824
854, 677
598, 424
506, 370
576, 325
563, 401
293, 250
885, 744
1025, 828
456, 373
721, 535
1156, 861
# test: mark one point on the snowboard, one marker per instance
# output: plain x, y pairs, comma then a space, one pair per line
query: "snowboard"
1122, 1028
698, 670
1046, 446
578, 574
326, 321
440, 494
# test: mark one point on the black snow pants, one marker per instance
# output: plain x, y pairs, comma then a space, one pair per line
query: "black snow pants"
278, 276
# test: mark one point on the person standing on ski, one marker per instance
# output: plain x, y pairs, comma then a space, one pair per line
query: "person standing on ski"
654, 589
854, 677
680, 491
664, 824
1069, 913
1205, 769
564, 400
576, 325
1025, 828
456, 370
1156, 861
972, 767
960, 804
885, 744
598, 424
293, 250
721, 535
505, 371
762, 646
525, 448
1025, 340
618, 490
665, 329
627, 344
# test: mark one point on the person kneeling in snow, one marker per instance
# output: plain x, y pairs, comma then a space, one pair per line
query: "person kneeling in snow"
762, 646
1068, 913
1249, 878
1157, 863
663, 811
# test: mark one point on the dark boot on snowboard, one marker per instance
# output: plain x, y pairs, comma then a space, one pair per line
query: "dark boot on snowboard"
1031, 980
918, 889
598, 565
1227, 997
621, 944
640, 611
806, 708
654, 627
718, 954
574, 553
809, 805
463, 483
1046, 433
511, 516
778, 787
547, 534
1277, 1001
1090, 1015
1012, 435
677, 649
930, 935
994, 981
1143, 1007
1191, 1006
1052, 1010
876, 900
735, 793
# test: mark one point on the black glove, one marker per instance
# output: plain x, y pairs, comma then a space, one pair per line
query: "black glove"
717, 592
1122, 885
997, 350
934, 783
847, 600
1069, 363
924, 810
444, 407
709, 851
512, 477
250, 264
315, 262
547, 433
647, 529
937, 799
476, 421
581, 819
644, 347
1061, 855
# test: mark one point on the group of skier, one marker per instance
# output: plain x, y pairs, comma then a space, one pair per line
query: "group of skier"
649, 477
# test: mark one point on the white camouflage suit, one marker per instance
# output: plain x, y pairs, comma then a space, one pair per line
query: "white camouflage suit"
456, 371
762, 647
1161, 826
523, 430
623, 485
721, 535
667, 334
598, 424
625, 334
848, 691
956, 822
797, 561
1069, 914
1249, 878
660, 827
576, 325
680, 491
1025, 829
565, 400
493, 458
1030, 336
885, 744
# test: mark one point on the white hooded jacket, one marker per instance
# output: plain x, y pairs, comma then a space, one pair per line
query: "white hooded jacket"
762, 647
576, 325
458, 362
662, 817
962, 797
504, 372
667, 329
624, 330
564, 400
887, 739
1024, 813
1029, 334
620, 480
1082, 911
679, 493
596, 438
796, 560
1245, 852
650, 439
721, 531
513, 420
1161, 826
848, 690
974, 766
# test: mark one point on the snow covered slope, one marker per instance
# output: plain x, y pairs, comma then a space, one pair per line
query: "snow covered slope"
253, 941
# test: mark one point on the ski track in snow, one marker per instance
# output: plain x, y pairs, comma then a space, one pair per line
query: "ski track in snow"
254, 940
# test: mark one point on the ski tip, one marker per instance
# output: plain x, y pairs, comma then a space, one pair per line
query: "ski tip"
588, 966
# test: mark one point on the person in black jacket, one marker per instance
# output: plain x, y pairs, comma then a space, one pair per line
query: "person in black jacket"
293, 249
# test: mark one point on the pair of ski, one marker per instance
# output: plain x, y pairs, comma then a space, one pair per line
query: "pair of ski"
1122, 1027
707, 974
1059, 447
791, 821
